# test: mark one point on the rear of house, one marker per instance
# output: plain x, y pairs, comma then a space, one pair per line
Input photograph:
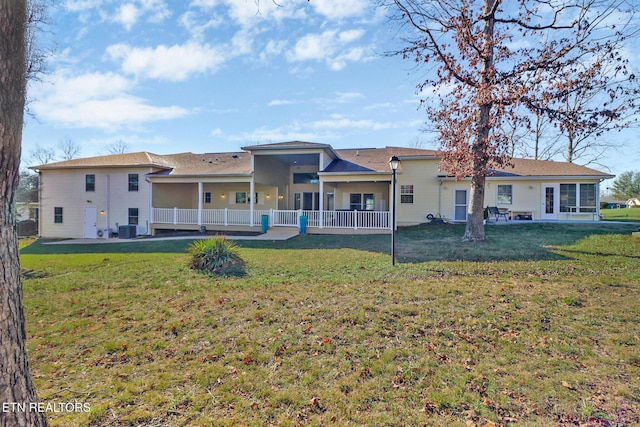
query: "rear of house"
335, 190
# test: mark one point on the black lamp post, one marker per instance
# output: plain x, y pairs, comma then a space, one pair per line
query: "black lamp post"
394, 162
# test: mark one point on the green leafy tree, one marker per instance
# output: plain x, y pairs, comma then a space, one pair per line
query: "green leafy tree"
626, 186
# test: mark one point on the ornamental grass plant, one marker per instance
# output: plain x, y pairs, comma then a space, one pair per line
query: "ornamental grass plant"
216, 256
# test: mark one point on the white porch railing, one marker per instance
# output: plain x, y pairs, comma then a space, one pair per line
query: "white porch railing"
283, 218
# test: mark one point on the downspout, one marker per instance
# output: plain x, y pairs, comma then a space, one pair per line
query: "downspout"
149, 202
107, 190
440, 198
39, 202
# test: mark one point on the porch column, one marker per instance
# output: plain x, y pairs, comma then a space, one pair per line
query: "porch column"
321, 207
252, 196
199, 203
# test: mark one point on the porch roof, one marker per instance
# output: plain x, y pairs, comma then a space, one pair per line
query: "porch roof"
208, 164
375, 159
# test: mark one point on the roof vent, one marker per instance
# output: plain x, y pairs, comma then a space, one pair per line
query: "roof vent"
235, 156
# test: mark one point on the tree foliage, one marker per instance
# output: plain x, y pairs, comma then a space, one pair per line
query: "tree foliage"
626, 186
497, 63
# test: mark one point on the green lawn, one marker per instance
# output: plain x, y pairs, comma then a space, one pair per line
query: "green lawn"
627, 214
537, 326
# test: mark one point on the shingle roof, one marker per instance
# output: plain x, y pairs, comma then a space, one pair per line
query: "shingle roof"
354, 160
541, 168
142, 159
377, 159
190, 164
288, 144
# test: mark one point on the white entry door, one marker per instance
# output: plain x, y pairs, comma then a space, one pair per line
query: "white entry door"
550, 201
460, 205
90, 225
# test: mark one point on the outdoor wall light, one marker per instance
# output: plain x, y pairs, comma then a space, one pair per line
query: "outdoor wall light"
268, 196
102, 213
222, 196
280, 197
88, 201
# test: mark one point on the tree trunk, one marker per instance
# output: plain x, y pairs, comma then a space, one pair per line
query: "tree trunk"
474, 230
17, 391
570, 147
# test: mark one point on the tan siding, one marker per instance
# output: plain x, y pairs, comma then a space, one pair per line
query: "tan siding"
422, 174
66, 189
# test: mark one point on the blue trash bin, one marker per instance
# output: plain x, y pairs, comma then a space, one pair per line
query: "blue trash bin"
265, 223
303, 225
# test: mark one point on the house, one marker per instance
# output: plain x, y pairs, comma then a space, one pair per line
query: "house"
633, 202
333, 189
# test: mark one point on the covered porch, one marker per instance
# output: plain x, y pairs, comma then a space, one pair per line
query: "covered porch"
252, 219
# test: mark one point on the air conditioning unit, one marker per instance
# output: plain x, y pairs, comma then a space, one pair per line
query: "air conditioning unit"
102, 233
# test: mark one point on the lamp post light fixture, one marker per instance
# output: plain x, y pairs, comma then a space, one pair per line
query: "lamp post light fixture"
394, 162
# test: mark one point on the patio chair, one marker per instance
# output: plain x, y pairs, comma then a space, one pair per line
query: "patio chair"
497, 213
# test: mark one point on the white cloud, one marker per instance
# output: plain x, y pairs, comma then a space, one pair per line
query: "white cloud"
127, 15
280, 102
338, 9
331, 47
95, 100
194, 23
247, 13
338, 122
172, 63
82, 5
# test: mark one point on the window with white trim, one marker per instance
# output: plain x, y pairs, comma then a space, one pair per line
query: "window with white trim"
133, 216
406, 194
505, 194
90, 182
57, 215
133, 182
576, 198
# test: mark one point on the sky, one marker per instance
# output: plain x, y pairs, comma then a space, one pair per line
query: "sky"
170, 76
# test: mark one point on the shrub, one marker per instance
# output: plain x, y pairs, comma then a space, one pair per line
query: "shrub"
216, 256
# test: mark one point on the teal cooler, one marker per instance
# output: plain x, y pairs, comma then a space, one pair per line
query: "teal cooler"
303, 225
265, 223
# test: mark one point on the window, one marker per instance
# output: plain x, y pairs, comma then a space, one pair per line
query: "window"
241, 197
90, 182
305, 178
568, 198
406, 194
587, 197
133, 216
57, 215
133, 182
207, 197
505, 194
355, 201
361, 202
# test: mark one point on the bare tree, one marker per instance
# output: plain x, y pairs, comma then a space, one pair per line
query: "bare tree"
16, 384
42, 155
118, 147
492, 79
70, 150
